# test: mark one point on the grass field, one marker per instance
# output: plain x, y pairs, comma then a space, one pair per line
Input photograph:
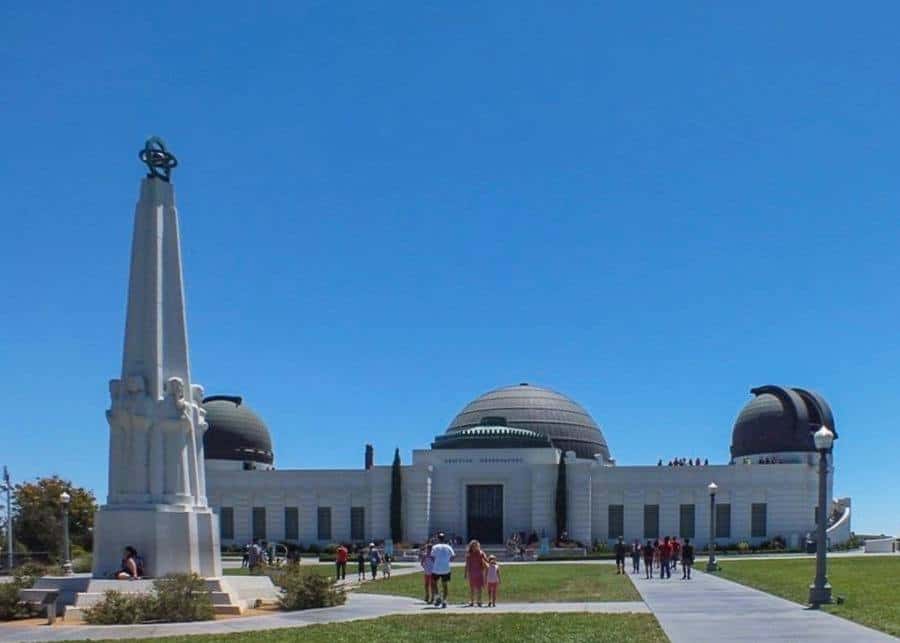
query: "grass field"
870, 586
543, 582
635, 628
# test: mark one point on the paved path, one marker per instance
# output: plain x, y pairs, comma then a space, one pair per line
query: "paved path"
708, 608
359, 606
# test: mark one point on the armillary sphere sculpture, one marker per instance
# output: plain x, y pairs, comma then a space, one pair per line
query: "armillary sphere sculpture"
158, 159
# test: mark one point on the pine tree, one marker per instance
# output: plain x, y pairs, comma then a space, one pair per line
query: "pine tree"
396, 499
561, 496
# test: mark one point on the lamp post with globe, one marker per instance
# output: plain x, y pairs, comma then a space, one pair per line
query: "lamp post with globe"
64, 499
711, 563
820, 590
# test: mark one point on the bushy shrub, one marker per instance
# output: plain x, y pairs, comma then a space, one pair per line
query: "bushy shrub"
743, 547
307, 591
313, 548
329, 548
10, 605
117, 608
183, 597
176, 599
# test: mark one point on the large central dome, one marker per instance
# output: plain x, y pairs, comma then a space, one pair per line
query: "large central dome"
537, 409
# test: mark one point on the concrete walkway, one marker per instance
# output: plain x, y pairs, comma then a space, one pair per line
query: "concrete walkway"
358, 606
708, 608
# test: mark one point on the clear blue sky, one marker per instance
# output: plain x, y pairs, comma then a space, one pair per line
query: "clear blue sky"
388, 209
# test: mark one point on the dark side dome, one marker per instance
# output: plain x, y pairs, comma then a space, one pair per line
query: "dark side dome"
235, 432
779, 420
538, 410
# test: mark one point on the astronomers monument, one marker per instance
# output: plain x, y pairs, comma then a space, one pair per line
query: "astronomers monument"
157, 489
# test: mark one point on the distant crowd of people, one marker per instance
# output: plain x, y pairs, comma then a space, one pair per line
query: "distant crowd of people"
685, 462
663, 554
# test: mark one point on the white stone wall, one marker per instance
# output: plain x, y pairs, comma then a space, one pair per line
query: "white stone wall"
434, 494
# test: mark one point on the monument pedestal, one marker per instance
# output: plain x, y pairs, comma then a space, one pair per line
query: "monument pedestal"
170, 538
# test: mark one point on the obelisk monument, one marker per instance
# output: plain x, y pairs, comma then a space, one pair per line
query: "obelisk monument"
157, 488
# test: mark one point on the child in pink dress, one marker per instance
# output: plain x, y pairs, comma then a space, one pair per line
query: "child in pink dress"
492, 577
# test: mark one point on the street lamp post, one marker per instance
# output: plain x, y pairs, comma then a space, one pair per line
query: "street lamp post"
7, 486
65, 498
820, 590
711, 563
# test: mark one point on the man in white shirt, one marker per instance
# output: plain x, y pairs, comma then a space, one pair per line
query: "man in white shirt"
442, 554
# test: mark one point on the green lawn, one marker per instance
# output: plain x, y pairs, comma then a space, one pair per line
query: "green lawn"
537, 582
870, 586
636, 628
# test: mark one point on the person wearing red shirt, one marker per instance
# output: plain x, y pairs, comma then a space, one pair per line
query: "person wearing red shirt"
665, 555
340, 561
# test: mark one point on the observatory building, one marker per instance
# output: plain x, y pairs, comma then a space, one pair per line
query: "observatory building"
494, 472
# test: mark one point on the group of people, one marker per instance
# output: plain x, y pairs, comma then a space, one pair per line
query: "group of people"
374, 556
663, 554
480, 570
684, 462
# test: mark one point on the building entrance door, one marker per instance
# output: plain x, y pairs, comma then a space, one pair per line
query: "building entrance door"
484, 513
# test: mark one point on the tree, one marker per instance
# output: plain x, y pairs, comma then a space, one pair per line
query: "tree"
37, 515
562, 501
396, 499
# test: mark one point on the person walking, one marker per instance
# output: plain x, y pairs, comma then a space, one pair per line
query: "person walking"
620, 550
443, 554
374, 559
636, 557
426, 560
476, 561
687, 559
360, 564
648, 559
340, 562
676, 553
665, 555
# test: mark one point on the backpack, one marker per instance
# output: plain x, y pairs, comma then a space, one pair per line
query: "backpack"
139, 565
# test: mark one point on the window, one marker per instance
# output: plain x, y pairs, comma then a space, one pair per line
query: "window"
357, 523
686, 522
616, 521
259, 523
324, 519
651, 521
723, 521
291, 523
758, 527
226, 523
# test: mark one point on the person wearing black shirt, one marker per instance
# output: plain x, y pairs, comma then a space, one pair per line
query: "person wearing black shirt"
621, 550
687, 559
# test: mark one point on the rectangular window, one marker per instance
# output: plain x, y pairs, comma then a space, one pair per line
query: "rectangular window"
616, 521
226, 523
686, 521
357, 523
651, 521
291, 523
758, 527
723, 521
324, 520
259, 523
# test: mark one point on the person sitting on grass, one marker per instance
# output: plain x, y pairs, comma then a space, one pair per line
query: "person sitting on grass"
132, 565
476, 561
493, 580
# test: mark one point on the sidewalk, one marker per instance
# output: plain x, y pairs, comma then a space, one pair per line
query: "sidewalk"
708, 608
359, 606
